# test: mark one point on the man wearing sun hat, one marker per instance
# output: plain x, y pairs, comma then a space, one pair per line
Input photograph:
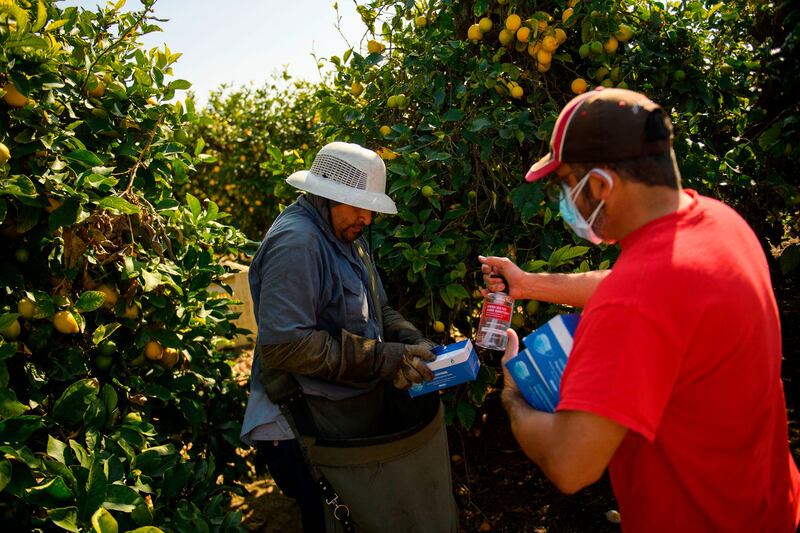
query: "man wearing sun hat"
673, 381
328, 408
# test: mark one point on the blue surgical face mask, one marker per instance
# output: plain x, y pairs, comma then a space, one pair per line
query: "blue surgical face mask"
570, 213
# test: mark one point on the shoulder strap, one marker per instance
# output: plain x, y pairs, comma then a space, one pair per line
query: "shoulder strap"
373, 280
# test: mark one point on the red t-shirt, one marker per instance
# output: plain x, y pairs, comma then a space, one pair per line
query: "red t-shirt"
681, 344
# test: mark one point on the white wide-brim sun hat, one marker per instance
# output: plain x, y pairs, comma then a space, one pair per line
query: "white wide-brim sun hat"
349, 174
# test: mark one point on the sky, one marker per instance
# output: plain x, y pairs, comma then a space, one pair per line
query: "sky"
243, 41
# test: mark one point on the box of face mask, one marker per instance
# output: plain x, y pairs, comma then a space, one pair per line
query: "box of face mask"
454, 364
538, 368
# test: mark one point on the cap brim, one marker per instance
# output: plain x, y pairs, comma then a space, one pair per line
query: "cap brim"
542, 168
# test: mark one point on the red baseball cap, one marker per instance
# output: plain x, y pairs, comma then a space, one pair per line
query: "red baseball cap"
604, 125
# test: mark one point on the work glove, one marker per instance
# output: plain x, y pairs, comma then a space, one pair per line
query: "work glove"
405, 363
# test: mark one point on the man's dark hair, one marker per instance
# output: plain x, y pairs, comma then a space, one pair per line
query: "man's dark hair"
657, 169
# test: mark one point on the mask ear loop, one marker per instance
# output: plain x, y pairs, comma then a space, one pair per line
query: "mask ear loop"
610, 181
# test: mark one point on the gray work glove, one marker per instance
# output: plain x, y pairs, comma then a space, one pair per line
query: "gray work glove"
407, 363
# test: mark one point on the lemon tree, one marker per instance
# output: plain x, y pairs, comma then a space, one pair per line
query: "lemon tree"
99, 262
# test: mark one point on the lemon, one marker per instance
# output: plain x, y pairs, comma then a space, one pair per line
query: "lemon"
95, 88
374, 47
13, 97
541, 25
26, 308
153, 350
523, 34
506, 36
679, 75
385, 130
622, 85
567, 14
485, 24
579, 86
356, 89
596, 47
516, 92
549, 44
544, 57
532, 307
615, 74
611, 45
607, 83
438, 326
474, 33
517, 321
170, 358
12, 331
5, 154
584, 50
513, 22
561, 36
110, 296
131, 312
600, 73
520, 46
421, 21
543, 67
533, 49
624, 33
427, 191
65, 322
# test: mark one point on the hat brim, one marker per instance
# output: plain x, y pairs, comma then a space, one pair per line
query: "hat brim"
332, 190
542, 168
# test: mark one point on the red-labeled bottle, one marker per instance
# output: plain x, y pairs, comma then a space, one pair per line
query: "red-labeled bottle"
495, 320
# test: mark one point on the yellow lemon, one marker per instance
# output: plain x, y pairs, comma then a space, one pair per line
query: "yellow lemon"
516, 92
374, 47
474, 33
506, 37
421, 21
12, 331
523, 34
485, 24
65, 322
385, 130
624, 33
567, 14
544, 57
5, 154
541, 25
513, 22
611, 45
579, 86
438, 326
26, 308
95, 89
549, 44
131, 312
561, 36
110, 296
543, 67
153, 350
13, 97
356, 89
533, 49
170, 358
427, 191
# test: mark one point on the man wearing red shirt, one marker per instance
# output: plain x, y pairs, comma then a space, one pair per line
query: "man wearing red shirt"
673, 381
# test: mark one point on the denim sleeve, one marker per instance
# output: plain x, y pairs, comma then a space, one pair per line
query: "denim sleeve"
291, 271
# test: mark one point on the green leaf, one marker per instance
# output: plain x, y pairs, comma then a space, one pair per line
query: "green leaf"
90, 301
146, 529
115, 203
457, 291
66, 214
194, 205
55, 448
123, 498
479, 124
453, 115
50, 493
41, 16
7, 319
5, 473
65, 518
20, 186
84, 158
465, 413
19, 428
104, 331
151, 279
9, 405
74, 401
155, 461
104, 522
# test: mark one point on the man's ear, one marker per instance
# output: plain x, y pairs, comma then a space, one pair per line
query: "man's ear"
602, 182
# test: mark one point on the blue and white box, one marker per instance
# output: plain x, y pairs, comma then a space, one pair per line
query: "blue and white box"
538, 368
454, 364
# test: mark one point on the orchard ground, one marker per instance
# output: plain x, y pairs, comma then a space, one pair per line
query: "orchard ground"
497, 488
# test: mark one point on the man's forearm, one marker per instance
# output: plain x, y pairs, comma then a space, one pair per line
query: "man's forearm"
568, 289
533, 429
